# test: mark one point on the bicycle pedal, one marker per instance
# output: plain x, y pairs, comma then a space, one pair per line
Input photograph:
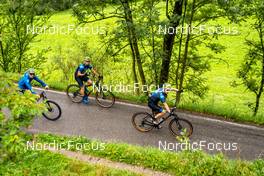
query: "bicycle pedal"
157, 126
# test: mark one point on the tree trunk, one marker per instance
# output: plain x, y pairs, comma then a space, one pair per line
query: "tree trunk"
154, 61
133, 38
4, 67
134, 66
262, 76
180, 47
180, 44
169, 40
185, 57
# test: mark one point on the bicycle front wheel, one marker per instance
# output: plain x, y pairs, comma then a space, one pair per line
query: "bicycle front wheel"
53, 111
73, 92
181, 127
105, 99
142, 121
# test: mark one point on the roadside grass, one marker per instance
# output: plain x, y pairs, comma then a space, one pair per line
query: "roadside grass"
180, 163
223, 111
48, 163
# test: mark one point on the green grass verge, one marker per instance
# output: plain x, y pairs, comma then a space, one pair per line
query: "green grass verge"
47, 163
181, 163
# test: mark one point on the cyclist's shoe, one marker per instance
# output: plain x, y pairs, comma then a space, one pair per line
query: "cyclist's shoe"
156, 122
85, 100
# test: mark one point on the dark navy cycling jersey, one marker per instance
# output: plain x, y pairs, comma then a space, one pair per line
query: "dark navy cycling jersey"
25, 82
158, 95
83, 68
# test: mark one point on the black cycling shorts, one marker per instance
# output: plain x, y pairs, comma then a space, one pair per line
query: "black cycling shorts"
82, 79
154, 107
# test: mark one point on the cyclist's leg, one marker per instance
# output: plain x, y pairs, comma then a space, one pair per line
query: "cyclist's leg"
80, 83
22, 89
158, 109
85, 97
89, 82
161, 113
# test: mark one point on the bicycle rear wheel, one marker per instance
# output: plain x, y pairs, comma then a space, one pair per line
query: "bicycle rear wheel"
73, 92
142, 121
105, 99
53, 111
181, 127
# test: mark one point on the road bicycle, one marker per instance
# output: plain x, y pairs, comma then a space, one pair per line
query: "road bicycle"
143, 122
53, 111
104, 98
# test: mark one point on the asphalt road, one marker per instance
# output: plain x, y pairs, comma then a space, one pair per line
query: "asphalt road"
114, 124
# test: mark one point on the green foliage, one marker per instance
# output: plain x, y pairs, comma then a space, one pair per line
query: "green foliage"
48, 163
20, 110
251, 72
58, 5
18, 23
181, 163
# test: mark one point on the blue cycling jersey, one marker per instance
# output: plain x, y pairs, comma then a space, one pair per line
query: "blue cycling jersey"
83, 68
158, 95
25, 82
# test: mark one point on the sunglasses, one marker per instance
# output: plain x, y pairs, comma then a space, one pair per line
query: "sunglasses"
32, 74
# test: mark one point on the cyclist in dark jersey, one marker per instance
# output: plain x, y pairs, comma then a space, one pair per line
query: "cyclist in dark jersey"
81, 76
157, 96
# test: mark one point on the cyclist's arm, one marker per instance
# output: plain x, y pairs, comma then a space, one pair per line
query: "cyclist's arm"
174, 89
94, 72
166, 107
40, 81
80, 74
29, 87
163, 100
80, 70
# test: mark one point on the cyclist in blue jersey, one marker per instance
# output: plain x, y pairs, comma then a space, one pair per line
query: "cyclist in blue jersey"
157, 96
25, 82
81, 76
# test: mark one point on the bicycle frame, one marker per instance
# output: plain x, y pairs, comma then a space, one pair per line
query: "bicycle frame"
96, 85
42, 96
166, 118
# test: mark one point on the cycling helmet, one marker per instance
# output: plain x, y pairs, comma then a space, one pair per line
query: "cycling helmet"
86, 59
31, 71
166, 87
